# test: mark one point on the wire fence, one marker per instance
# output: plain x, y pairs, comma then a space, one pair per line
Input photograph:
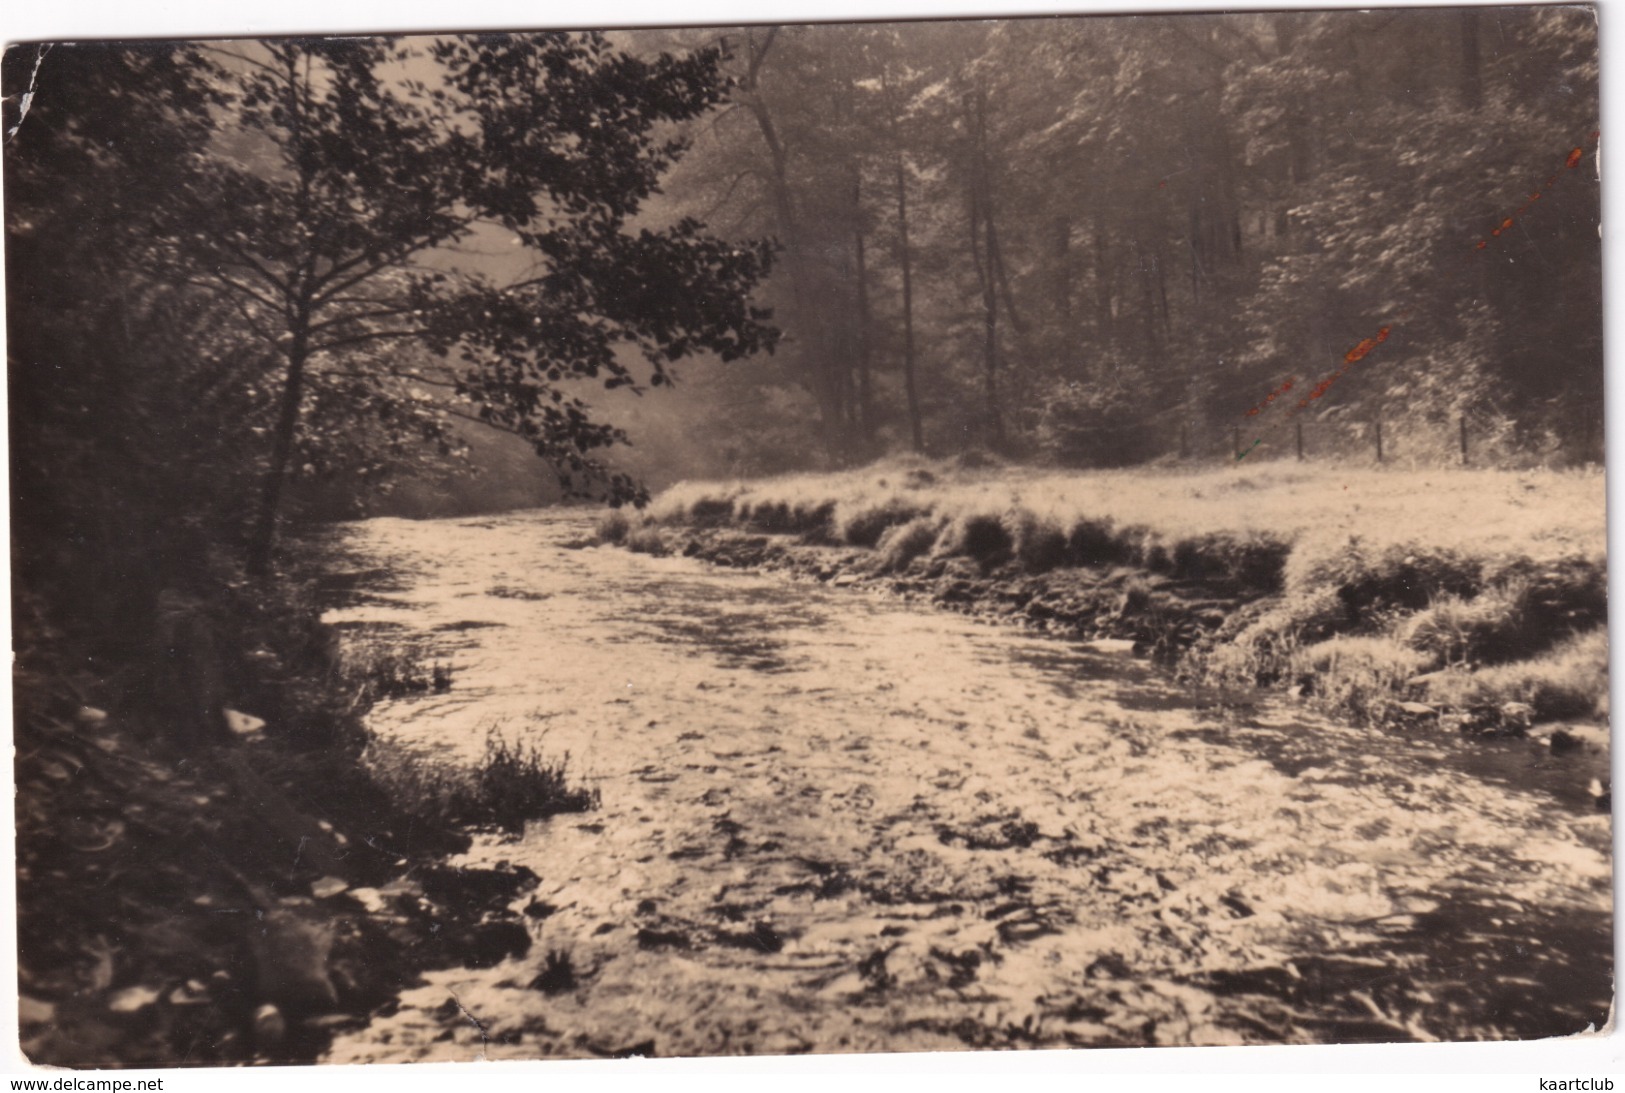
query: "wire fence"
1459, 441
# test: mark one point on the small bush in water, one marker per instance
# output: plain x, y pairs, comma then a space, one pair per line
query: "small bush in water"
512, 783
614, 527
379, 669
646, 541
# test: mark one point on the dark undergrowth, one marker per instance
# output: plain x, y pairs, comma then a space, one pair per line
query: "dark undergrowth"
198, 888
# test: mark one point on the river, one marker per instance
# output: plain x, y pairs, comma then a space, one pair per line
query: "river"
836, 822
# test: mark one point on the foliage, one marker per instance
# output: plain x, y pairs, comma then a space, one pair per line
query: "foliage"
1103, 240
1570, 680
296, 213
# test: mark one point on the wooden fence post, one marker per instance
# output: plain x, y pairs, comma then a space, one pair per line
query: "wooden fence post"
1463, 440
1300, 442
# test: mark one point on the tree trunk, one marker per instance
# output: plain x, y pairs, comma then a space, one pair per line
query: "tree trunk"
865, 405
981, 227
1472, 73
910, 390
990, 322
263, 542
820, 380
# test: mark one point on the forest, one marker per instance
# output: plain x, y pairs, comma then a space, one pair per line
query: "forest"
1108, 241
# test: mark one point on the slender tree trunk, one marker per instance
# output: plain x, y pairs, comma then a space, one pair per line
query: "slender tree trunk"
1472, 73
981, 228
990, 323
905, 259
865, 405
1105, 322
263, 542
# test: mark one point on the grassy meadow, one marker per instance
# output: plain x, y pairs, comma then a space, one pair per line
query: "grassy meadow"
1387, 593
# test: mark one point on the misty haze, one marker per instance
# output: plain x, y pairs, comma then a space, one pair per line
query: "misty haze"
1043, 533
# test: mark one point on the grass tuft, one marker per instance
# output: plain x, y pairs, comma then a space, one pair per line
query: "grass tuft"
512, 783
903, 543
1361, 675
979, 536
864, 521
379, 669
1488, 628
1038, 542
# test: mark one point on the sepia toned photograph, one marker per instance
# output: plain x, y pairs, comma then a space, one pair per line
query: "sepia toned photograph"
1062, 532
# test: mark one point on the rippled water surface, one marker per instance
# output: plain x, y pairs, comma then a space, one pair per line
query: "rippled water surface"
833, 822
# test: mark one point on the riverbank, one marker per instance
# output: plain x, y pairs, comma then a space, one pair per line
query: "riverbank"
202, 886
1472, 600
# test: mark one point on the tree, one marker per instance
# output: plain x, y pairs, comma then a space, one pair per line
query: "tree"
116, 378
353, 168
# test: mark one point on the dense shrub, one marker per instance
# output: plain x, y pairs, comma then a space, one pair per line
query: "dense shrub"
1253, 561
1094, 542
1370, 578
1490, 627
1570, 680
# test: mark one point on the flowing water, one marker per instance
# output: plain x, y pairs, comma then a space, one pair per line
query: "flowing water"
835, 822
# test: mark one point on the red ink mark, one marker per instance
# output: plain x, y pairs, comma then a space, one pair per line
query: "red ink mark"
1271, 397
1353, 355
1367, 345
1572, 161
